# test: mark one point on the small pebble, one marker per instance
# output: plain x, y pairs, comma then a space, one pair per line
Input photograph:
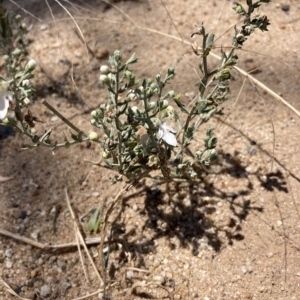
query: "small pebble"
285, 7
156, 263
129, 274
23, 215
160, 279
65, 286
78, 54
8, 253
62, 264
248, 169
35, 235
170, 282
40, 261
34, 273
44, 27
52, 260
46, 290
49, 279
95, 194
8, 264
261, 288
54, 119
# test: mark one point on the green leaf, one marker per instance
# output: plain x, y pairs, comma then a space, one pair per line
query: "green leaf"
94, 222
179, 104
210, 40
133, 59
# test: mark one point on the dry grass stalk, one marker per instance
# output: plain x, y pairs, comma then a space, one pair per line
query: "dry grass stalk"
81, 239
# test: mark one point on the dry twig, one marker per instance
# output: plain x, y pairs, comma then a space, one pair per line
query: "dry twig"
81, 239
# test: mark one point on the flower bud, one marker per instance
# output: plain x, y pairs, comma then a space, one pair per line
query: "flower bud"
94, 122
168, 112
151, 105
153, 161
171, 94
106, 154
117, 54
6, 121
134, 109
26, 101
104, 79
30, 66
193, 175
223, 74
171, 72
6, 58
238, 8
26, 83
23, 26
133, 96
164, 104
128, 73
94, 114
17, 52
240, 38
93, 136
153, 86
104, 69
18, 18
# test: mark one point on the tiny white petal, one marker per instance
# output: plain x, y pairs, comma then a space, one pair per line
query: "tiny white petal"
4, 104
166, 133
160, 133
170, 138
171, 129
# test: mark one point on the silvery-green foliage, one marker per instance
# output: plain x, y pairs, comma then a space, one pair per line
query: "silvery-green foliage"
12, 32
143, 130
143, 126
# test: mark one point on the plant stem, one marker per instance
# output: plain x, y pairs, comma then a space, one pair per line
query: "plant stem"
116, 95
50, 107
202, 89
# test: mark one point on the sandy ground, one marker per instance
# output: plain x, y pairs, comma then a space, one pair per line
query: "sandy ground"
234, 236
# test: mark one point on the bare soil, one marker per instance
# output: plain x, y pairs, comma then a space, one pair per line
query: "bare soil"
233, 236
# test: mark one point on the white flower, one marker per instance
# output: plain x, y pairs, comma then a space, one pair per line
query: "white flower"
167, 133
5, 98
